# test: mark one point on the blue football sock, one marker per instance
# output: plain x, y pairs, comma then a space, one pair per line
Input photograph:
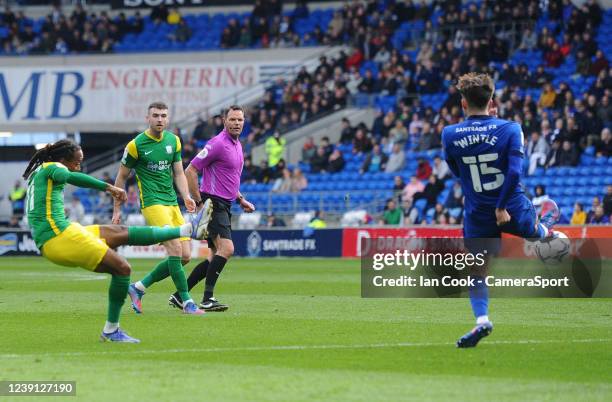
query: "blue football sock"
479, 297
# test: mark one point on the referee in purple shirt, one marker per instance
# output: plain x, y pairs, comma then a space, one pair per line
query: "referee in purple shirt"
220, 163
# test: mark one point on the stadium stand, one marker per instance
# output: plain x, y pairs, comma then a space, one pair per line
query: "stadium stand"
545, 98
551, 68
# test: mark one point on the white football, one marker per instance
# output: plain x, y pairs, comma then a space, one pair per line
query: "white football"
553, 250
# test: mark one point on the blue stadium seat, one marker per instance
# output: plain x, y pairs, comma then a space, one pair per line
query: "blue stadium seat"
420, 205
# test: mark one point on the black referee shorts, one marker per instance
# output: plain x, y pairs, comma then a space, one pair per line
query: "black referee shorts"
221, 220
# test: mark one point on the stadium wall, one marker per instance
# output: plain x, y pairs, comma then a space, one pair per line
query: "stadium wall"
297, 243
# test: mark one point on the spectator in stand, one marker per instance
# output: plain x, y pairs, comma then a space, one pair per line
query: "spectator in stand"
317, 221
301, 10
392, 214
174, 16
604, 110
275, 148
414, 186
607, 201
415, 128
440, 169
182, 33
159, 14
397, 159
554, 57
75, 211
441, 215
299, 182
361, 143
250, 172
583, 63
596, 202
326, 144
369, 84
537, 150
529, 40
568, 156
308, 149
398, 134
200, 129
277, 171
319, 162
431, 192
335, 28
603, 147
336, 162
547, 98
17, 198
598, 217
266, 173
376, 161
599, 64
428, 139
347, 133
552, 159
454, 203
540, 196
398, 186
132, 205
283, 184
423, 169
579, 216
541, 78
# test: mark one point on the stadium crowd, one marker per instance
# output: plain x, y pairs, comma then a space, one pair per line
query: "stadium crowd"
81, 31
559, 123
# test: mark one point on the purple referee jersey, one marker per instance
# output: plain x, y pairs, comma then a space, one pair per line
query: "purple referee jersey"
220, 163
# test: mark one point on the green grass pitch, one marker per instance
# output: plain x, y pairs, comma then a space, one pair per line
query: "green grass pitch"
296, 330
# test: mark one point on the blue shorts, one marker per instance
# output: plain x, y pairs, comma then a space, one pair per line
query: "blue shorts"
482, 233
522, 222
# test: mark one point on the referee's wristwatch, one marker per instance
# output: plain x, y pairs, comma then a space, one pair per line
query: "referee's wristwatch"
199, 202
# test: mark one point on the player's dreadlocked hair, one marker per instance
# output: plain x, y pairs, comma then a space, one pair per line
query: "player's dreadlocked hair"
476, 88
62, 149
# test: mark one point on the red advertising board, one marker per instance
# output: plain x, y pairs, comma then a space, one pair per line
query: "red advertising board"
393, 237
351, 239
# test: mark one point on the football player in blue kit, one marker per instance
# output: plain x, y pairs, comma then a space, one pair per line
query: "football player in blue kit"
486, 154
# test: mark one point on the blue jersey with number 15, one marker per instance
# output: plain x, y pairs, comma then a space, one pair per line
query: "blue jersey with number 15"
478, 150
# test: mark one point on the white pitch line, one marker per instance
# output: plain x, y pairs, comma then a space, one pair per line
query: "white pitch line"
54, 276
297, 347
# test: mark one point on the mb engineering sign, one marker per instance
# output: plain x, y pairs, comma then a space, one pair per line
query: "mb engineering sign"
64, 87
74, 95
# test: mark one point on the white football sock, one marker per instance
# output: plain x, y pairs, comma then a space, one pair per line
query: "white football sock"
110, 327
186, 230
138, 285
482, 319
545, 229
